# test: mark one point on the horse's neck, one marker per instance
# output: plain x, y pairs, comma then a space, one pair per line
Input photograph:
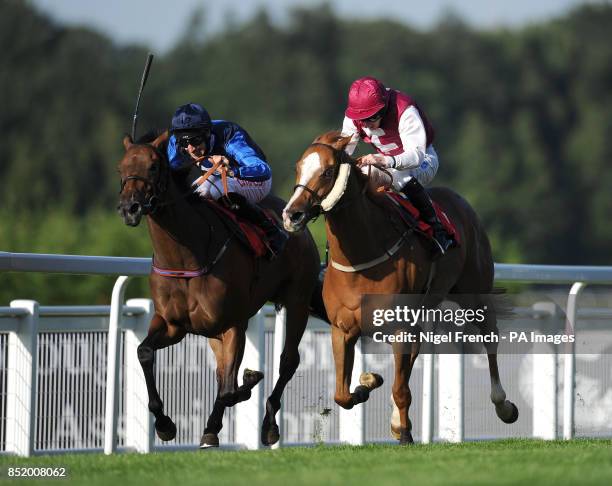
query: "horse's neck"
358, 230
179, 236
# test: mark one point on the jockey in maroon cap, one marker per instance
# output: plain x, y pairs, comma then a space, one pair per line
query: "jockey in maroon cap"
402, 136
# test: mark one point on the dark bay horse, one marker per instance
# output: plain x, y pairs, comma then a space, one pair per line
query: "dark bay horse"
360, 232
224, 285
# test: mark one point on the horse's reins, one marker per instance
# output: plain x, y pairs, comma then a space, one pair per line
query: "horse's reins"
222, 168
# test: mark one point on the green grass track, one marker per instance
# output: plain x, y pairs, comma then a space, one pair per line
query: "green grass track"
487, 463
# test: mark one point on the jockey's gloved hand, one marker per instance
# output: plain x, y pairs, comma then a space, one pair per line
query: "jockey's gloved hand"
214, 159
219, 158
207, 162
376, 160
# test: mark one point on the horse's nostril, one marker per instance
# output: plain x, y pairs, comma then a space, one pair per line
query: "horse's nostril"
134, 208
296, 217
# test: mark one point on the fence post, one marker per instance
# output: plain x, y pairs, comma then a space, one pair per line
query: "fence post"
570, 362
352, 422
138, 420
21, 381
545, 395
249, 414
279, 343
428, 397
113, 365
450, 397
544, 371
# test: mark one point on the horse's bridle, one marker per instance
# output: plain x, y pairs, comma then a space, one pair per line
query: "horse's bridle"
157, 187
318, 200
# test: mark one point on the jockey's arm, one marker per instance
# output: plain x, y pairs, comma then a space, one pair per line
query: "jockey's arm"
348, 128
250, 164
414, 139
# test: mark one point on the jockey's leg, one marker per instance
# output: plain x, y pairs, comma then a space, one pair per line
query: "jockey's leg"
419, 197
253, 213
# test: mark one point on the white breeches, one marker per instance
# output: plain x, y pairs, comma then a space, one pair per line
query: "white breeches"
253, 191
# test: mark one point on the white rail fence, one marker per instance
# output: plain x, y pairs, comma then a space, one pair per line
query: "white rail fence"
70, 379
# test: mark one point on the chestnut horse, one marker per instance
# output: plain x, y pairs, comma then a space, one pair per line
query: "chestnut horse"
219, 287
360, 232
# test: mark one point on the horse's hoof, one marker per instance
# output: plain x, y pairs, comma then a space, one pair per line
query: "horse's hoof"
250, 378
371, 380
165, 428
209, 440
271, 436
513, 416
405, 437
396, 426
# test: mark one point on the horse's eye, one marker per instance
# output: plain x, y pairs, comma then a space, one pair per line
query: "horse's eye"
328, 173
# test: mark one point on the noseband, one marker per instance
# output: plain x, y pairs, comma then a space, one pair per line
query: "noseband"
317, 199
153, 189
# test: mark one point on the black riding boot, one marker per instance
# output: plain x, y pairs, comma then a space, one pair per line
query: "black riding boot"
253, 213
419, 197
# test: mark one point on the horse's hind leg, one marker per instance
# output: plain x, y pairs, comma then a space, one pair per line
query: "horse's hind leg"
401, 427
297, 318
160, 336
505, 409
343, 346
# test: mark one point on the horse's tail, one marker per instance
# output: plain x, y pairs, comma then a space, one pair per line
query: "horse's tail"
316, 307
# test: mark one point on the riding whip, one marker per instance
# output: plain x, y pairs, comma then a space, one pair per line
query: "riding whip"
143, 81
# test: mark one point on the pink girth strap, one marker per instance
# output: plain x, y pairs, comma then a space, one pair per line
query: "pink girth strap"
164, 272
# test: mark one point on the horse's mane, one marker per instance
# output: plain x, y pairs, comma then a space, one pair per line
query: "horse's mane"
151, 135
331, 140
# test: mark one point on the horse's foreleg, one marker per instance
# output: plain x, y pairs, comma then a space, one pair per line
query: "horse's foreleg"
343, 346
233, 349
160, 336
210, 437
297, 317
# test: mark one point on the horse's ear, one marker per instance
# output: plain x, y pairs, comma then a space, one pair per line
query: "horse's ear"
342, 142
334, 139
127, 142
161, 139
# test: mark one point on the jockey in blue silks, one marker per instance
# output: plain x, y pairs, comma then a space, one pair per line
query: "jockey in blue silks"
197, 140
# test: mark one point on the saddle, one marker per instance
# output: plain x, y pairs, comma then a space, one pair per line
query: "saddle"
250, 235
411, 217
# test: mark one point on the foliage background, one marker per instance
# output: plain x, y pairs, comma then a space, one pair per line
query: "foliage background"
523, 120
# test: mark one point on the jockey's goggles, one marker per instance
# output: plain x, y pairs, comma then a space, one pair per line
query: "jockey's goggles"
193, 139
376, 116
